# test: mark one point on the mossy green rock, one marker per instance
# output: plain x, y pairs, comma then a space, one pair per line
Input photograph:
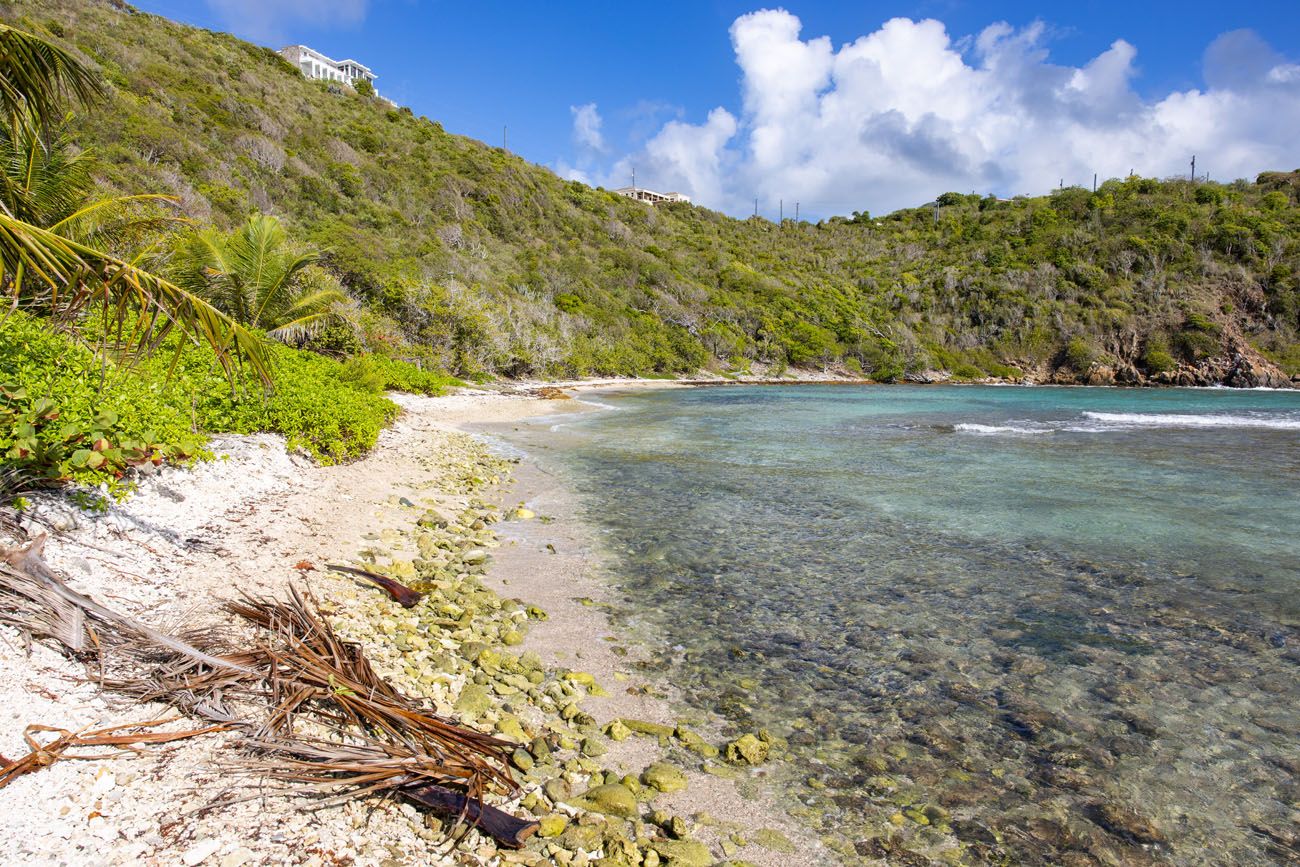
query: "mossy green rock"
557, 789
664, 777
747, 749
610, 799
695, 743
617, 731
683, 853
774, 840
581, 837
642, 727
522, 759
552, 825
474, 701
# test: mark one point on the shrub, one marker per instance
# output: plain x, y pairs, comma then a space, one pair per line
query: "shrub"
64, 417
1079, 354
404, 376
1004, 371
1156, 357
1209, 195
1276, 200
363, 374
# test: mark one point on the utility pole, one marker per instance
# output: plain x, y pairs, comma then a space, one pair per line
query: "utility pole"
756, 207
796, 212
1094, 182
505, 137
780, 209
634, 179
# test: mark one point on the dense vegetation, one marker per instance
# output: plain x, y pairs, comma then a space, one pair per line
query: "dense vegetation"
66, 414
112, 356
470, 256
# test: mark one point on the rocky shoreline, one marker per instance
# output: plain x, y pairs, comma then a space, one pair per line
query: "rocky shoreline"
611, 775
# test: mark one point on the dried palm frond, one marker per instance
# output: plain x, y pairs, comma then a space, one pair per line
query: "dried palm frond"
68, 614
119, 738
313, 710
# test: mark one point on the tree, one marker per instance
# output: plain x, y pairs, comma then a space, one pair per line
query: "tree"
364, 87
258, 278
48, 266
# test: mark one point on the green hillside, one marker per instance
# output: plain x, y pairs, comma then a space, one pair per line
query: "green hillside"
473, 258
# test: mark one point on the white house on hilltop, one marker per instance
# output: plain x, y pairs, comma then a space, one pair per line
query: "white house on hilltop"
641, 194
316, 65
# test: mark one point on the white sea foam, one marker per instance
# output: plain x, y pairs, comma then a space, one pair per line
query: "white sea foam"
595, 403
989, 429
1184, 420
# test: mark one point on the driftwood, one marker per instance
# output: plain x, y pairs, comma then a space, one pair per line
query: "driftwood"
402, 595
379, 742
497, 824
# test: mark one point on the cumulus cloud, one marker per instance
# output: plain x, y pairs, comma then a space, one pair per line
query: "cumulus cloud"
903, 113
273, 20
586, 127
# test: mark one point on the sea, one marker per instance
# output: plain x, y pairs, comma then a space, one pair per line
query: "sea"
982, 624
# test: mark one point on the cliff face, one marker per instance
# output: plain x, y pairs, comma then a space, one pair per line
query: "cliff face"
483, 262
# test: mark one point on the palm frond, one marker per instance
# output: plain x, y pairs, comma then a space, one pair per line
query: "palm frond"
37, 76
43, 178
65, 277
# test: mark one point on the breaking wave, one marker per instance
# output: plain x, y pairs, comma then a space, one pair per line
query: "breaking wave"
1136, 419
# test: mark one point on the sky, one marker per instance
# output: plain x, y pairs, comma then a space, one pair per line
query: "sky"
836, 106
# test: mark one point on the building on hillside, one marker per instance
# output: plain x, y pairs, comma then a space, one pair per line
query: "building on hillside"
313, 64
641, 194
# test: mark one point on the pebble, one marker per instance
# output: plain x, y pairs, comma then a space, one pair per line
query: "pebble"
200, 852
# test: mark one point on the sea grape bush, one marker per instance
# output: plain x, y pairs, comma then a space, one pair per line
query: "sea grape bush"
67, 416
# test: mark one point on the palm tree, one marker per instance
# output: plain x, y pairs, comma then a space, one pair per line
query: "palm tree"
258, 278
61, 270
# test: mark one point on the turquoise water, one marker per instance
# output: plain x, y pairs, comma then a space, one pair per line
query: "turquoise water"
1033, 625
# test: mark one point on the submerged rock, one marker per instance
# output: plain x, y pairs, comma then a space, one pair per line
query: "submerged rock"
642, 727
1125, 823
747, 749
664, 777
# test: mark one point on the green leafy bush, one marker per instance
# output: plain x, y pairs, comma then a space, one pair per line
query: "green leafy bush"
64, 416
1079, 354
1156, 357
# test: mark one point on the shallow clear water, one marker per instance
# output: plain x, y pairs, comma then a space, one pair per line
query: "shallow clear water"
1066, 622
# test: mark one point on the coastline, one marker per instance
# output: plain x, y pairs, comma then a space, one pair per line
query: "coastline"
191, 538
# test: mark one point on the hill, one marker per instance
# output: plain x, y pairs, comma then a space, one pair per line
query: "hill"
472, 257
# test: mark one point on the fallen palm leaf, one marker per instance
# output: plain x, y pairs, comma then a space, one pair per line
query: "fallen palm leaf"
121, 738
312, 709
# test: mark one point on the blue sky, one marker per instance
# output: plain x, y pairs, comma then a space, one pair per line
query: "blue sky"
823, 103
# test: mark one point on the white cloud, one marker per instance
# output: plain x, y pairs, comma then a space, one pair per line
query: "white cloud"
586, 127
906, 112
273, 20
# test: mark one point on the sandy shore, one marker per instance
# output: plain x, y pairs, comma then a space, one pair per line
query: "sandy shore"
191, 538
